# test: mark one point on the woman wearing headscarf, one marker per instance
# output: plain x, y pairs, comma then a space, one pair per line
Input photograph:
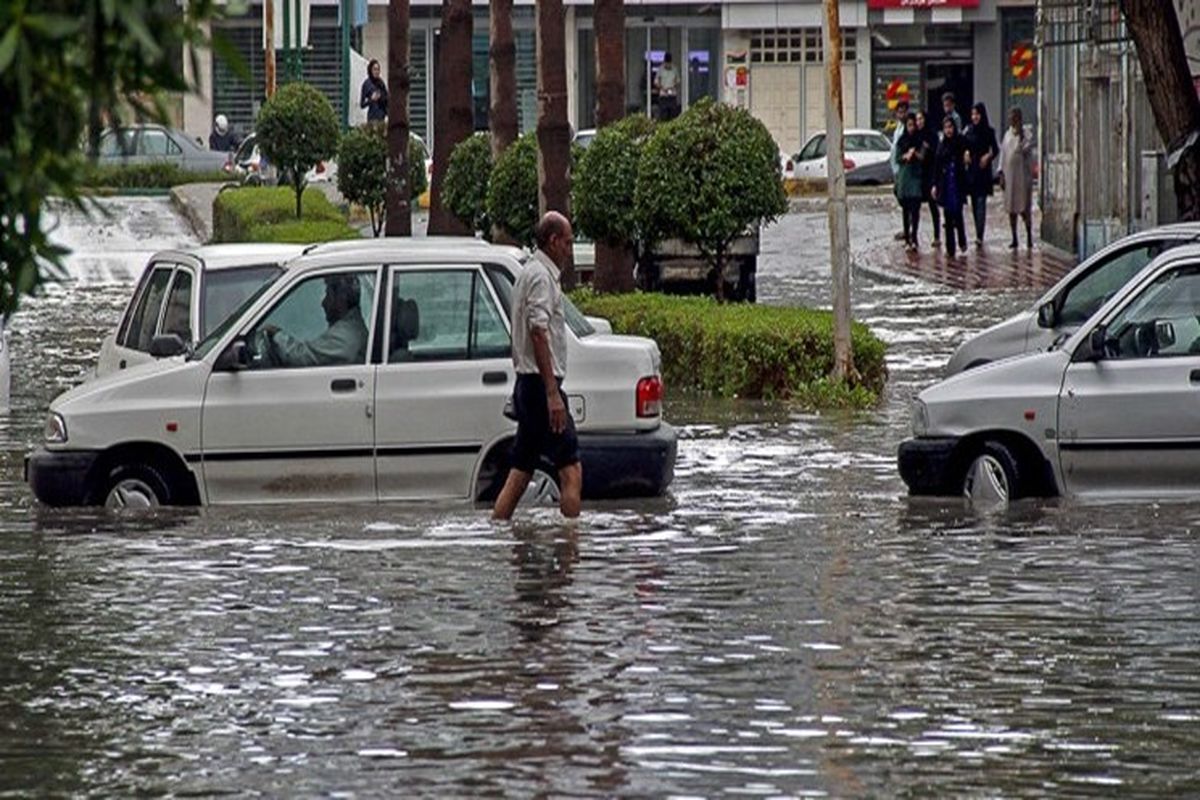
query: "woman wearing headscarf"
981, 144
929, 138
950, 183
1016, 175
910, 152
374, 95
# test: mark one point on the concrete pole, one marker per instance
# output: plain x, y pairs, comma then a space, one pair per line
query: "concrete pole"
269, 55
839, 222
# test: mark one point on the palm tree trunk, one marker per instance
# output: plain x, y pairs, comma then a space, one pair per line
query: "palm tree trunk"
1154, 26
614, 262
553, 129
502, 116
453, 119
399, 194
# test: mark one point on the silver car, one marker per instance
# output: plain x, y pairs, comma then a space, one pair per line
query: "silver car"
149, 144
1113, 411
1060, 311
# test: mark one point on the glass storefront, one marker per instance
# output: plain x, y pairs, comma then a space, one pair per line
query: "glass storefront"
920, 63
1019, 67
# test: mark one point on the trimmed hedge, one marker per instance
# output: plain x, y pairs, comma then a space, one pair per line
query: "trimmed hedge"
146, 176
268, 214
748, 351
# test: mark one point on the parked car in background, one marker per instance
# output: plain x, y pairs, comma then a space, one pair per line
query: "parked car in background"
410, 408
252, 169
1113, 411
584, 137
1061, 310
188, 294
149, 144
867, 158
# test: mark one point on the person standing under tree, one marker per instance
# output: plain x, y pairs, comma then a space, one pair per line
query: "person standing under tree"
545, 430
374, 95
950, 183
981, 143
1016, 176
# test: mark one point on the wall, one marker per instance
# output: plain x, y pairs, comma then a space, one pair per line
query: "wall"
197, 106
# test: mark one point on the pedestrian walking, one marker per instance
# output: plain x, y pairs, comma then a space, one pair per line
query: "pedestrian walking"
929, 139
981, 144
909, 186
374, 94
950, 183
950, 109
894, 158
222, 139
1016, 176
545, 430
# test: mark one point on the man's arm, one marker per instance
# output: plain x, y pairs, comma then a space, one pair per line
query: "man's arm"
545, 364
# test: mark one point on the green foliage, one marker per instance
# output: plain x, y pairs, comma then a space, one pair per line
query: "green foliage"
64, 66
602, 190
418, 179
265, 214
512, 195
741, 350
159, 175
465, 190
364, 171
708, 177
297, 128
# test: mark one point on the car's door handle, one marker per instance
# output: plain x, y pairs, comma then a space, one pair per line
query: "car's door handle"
344, 385
121, 365
1194, 377
490, 378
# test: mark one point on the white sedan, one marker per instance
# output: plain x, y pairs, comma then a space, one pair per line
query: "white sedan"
864, 148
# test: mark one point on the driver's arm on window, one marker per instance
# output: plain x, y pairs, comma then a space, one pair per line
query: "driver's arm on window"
338, 345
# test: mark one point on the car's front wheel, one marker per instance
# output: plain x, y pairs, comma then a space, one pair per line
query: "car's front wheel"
993, 475
136, 486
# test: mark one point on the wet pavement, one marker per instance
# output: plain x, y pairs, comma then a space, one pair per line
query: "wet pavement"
786, 623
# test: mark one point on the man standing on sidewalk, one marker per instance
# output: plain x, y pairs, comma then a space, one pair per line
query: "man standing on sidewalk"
545, 430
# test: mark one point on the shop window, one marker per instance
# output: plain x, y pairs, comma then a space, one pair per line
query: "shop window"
797, 45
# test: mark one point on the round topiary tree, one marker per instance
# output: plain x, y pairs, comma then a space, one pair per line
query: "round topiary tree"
709, 177
465, 191
512, 195
363, 170
297, 128
602, 198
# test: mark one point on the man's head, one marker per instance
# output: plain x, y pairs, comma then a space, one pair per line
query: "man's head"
554, 238
341, 296
948, 102
221, 124
666, 58
901, 109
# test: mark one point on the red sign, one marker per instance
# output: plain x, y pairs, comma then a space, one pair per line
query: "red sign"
1021, 61
922, 3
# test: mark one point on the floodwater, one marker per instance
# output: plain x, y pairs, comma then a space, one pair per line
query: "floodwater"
786, 623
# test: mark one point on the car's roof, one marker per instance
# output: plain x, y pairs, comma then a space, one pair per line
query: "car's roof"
427, 249
853, 132
227, 256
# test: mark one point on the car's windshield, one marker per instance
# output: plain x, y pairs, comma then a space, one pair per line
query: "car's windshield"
211, 340
503, 281
225, 290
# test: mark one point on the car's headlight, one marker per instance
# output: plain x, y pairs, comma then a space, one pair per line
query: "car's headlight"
920, 418
56, 429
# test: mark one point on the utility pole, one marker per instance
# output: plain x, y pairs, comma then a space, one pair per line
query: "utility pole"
269, 55
347, 10
839, 222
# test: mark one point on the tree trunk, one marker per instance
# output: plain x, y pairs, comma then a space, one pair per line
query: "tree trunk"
454, 118
614, 263
398, 213
269, 53
553, 130
502, 116
1154, 26
839, 223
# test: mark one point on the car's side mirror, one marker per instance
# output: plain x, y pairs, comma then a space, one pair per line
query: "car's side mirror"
166, 345
235, 358
1097, 344
1047, 315
1164, 333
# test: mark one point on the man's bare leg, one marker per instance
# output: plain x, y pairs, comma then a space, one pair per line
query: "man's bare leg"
570, 489
510, 495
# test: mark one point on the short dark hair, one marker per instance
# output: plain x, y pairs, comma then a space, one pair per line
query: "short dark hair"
549, 226
345, 284
949, 96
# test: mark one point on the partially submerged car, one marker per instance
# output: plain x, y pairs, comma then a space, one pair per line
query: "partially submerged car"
188, 294
1113, 411
1061, 310
405, 400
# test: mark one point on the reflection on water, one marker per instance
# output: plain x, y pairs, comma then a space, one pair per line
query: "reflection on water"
785, 624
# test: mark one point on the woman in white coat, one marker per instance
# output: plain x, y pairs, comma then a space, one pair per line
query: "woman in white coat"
1016, 174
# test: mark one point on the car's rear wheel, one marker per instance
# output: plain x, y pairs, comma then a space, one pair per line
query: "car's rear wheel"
542, 490
136, 486
993, 475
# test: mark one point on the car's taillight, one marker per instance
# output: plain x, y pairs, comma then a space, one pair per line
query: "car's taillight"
790, 166
649, 396
847, 163
320, 167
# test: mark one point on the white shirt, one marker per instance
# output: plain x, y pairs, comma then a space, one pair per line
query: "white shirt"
538, 303
668, 79
345, 342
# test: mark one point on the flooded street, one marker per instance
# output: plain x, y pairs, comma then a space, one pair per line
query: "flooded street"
785, 623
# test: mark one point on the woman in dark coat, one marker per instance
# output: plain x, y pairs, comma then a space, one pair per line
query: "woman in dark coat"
374, 95
910, 151
981, 143
929, 137
950, 183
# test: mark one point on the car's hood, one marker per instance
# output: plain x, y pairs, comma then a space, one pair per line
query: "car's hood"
1026, 374
132, 382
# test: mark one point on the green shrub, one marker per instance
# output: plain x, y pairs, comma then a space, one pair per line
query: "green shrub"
707, 177
159, 175
741, 350
297, 128
363, 170
465, 190
303, 231
244, 215
602, 186
512, 195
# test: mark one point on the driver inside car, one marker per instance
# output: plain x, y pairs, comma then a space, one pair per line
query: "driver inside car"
343, 342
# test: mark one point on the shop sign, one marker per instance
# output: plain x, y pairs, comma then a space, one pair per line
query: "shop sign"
922, 3
896, 91
1022, 61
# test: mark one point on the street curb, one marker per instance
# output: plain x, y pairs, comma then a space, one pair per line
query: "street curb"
193, 216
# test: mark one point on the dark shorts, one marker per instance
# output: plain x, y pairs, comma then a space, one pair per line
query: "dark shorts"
536, 444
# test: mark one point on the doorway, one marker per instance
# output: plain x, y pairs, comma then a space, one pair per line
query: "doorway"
957, 77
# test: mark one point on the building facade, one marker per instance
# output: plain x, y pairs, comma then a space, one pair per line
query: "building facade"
763, 56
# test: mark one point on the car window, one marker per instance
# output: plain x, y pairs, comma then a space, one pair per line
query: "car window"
177, 316
149, 307
225, 290
430, 315
113, 143
867, 143
1163, 320
503, 282
218, 333
810, 150
322, 321
154, 142
489, 336
134, 304
1085, 297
